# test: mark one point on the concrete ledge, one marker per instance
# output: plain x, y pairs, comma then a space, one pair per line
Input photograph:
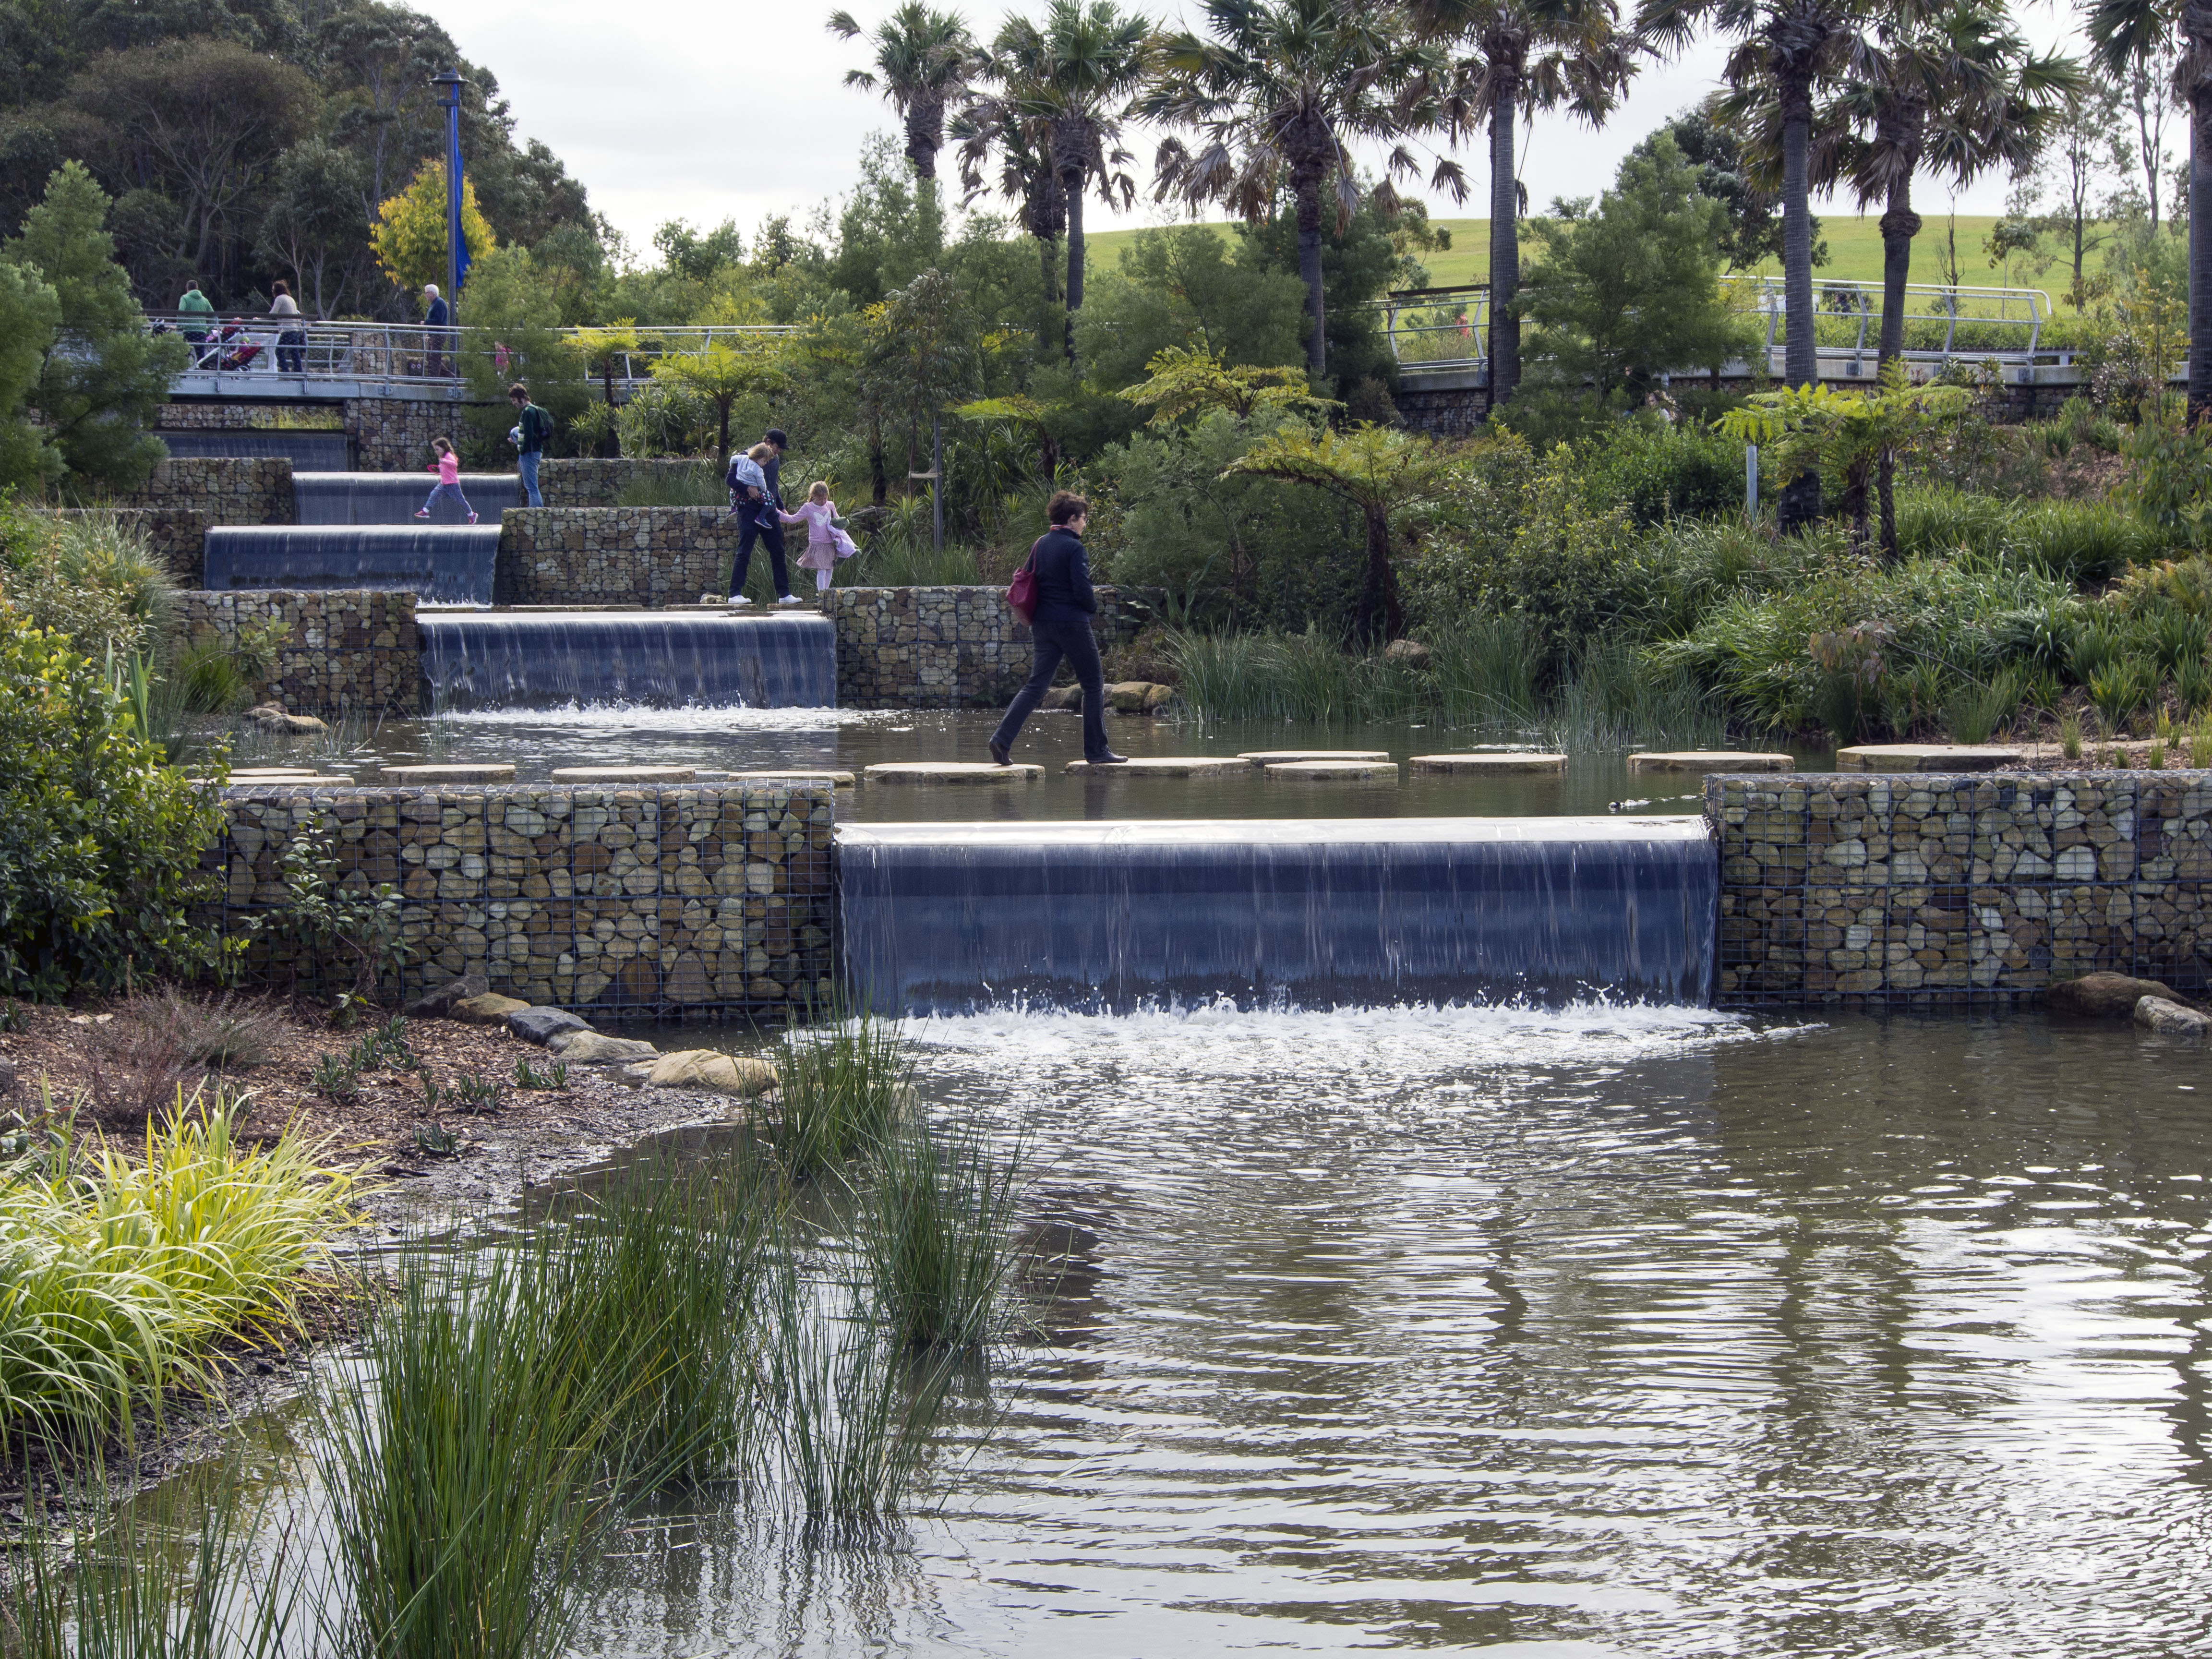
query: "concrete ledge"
952, 772
1271, 756
616, 774
1710, 760
497, 773
1482, 764
835, 780
1333, 771
1927, 757
1169, 766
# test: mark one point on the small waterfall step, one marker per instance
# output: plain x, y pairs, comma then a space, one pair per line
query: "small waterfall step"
440, 563
669, 658
318, 451
948, 918
395, 497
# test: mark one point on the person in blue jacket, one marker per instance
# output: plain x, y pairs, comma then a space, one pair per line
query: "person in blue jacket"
1062, 629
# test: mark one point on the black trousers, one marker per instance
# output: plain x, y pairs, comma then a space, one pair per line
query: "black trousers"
1074, 641
771, 535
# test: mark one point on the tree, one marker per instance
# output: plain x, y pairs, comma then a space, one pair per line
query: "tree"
1784, 48
315, 219
1026, 177
924, 58
1707, 135
603, 350
1525, 55
1183, 382
410, 233
1379, 471
102, 377
1074, 76
718, 376
2126, 33
29, 314
1277, 93
1631, 289
2092, 160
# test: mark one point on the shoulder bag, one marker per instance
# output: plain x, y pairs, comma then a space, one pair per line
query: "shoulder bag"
1021, 593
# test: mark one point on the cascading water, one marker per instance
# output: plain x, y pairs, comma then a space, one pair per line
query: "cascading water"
444, 564
328, 452
943, 918
326, 498
504, 660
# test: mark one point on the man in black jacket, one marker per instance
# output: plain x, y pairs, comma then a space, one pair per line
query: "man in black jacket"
771, 533
1061, 628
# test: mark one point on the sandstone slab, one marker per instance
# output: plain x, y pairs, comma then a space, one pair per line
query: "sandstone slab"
952, 773
1271, 756
1138, 696
597, 1048
1486, 765
1169, 766
489, 1009
2170, 1018
495, 772
742, 1075
836, 780
1333, 771
1711, 760
588, 775
540, 1026
2103, 996
437, 1004
1928, 757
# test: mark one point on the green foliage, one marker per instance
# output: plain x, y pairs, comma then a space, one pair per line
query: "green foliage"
2076, 541
1180, 286
1659, 471
91, 579
512, 304
30, 312
2169, 483
842, 1087
1181, 383
328, 919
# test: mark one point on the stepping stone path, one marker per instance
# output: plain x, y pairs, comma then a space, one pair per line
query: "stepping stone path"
490, 773
1483, 765
1710, 760
1335, 771
1284, 757
1169, 766
622, 774
841, 780
1927, 757
952, 772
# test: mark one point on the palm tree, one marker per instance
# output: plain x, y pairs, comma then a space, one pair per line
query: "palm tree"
1068, 83
1026, 177
924, 58
1785, 47
1526, 55
1277, 92
2126, 34
1952, 85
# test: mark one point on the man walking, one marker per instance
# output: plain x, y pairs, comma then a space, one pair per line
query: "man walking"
749, 525
194, 306
433, 321
532, 427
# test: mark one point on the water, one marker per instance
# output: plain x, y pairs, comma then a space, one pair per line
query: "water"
330, 451
949, 918
449, 565
324, 498
508, 660
1614, 1332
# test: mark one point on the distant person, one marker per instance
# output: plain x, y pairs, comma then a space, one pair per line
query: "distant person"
1061, 628
532, 427
291, 342
825, 543
436, 318
196, 305
765, 524
449, 481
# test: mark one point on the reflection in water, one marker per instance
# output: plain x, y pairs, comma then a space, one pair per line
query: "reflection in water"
1624, 1331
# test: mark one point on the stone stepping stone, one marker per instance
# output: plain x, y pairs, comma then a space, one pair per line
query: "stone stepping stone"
952, 772
1928, 757
621, 775
1284, 757
1478, 765
321, 780
1335, 771
1169, 766
495, 773
1710, 760
841, 780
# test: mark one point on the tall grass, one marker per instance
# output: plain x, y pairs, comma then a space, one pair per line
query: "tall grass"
935, 1226
1615, 699
697, 486
2073, 541
841, 1087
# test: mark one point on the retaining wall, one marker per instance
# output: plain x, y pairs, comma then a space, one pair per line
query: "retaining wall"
1947, 890
226, 490
646, 902
648, 555
940, 647
388, 435
343, 650
590, 483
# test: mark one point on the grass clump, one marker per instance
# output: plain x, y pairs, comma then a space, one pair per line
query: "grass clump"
841, 1087
935, 1227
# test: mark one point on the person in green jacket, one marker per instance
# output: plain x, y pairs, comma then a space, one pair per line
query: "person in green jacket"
532, 427
195, 305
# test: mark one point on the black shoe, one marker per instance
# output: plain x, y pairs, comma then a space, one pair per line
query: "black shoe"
1109, 758
1000, 753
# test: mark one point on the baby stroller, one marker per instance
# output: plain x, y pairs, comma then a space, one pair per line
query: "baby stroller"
241, 356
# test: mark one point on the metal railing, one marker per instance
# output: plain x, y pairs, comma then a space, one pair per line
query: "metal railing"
1438, 327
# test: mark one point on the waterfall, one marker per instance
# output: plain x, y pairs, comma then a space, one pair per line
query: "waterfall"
946, 918
328, 452
448, 565
393, 497
506, 659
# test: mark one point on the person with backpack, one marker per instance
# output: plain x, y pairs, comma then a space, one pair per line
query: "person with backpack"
534, 427
1061, 625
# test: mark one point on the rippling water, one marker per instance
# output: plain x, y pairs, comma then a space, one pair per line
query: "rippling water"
1623, 1332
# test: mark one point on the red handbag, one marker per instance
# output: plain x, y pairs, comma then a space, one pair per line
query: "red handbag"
1021, 593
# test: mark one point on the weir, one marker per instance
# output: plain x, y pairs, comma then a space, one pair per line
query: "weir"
504, 660
446, 565
951, 918
326, 498
329, 451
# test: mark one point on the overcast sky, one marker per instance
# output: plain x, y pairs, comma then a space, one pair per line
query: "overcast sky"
706, 111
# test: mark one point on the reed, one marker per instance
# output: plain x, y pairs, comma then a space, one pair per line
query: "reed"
1974, 712
935, 1227
841, 1086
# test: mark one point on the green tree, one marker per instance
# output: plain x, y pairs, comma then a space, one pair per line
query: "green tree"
103, 377
604, 351
1525, 56
1629, 290
410, 233
513, 310
924, 59
29, 314
1377, 470
994, 121
1184, 383
718, 376
314, 222
1278, 92
1709, 136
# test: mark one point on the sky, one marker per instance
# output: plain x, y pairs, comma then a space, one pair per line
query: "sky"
703, 110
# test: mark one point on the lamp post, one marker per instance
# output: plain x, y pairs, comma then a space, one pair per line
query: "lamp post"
449, 86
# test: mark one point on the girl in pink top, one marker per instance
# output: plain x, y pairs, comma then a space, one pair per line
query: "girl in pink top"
449, 480
825, 543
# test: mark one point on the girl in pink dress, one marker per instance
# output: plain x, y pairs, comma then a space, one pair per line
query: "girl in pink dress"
825, 543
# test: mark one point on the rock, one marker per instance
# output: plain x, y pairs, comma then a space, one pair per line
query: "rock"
436, 1004
2170, 1018
540, 1025
1138, 696
713, 1070
2102, 996
1063, 700
1411, 653
7, 1079
489, 1009
272, 717
635, 1075
589, 1048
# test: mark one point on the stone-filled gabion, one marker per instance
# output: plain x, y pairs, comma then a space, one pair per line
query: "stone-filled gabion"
646, 556
1945, 889
595, 481
644, 900
354, 649
944, 647
224, 490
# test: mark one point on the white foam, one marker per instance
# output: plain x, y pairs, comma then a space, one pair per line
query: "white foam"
646, 717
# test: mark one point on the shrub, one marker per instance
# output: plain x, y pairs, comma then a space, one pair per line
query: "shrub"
223, 1034
1659, 473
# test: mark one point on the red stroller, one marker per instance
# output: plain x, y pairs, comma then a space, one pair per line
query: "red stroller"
239, 358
